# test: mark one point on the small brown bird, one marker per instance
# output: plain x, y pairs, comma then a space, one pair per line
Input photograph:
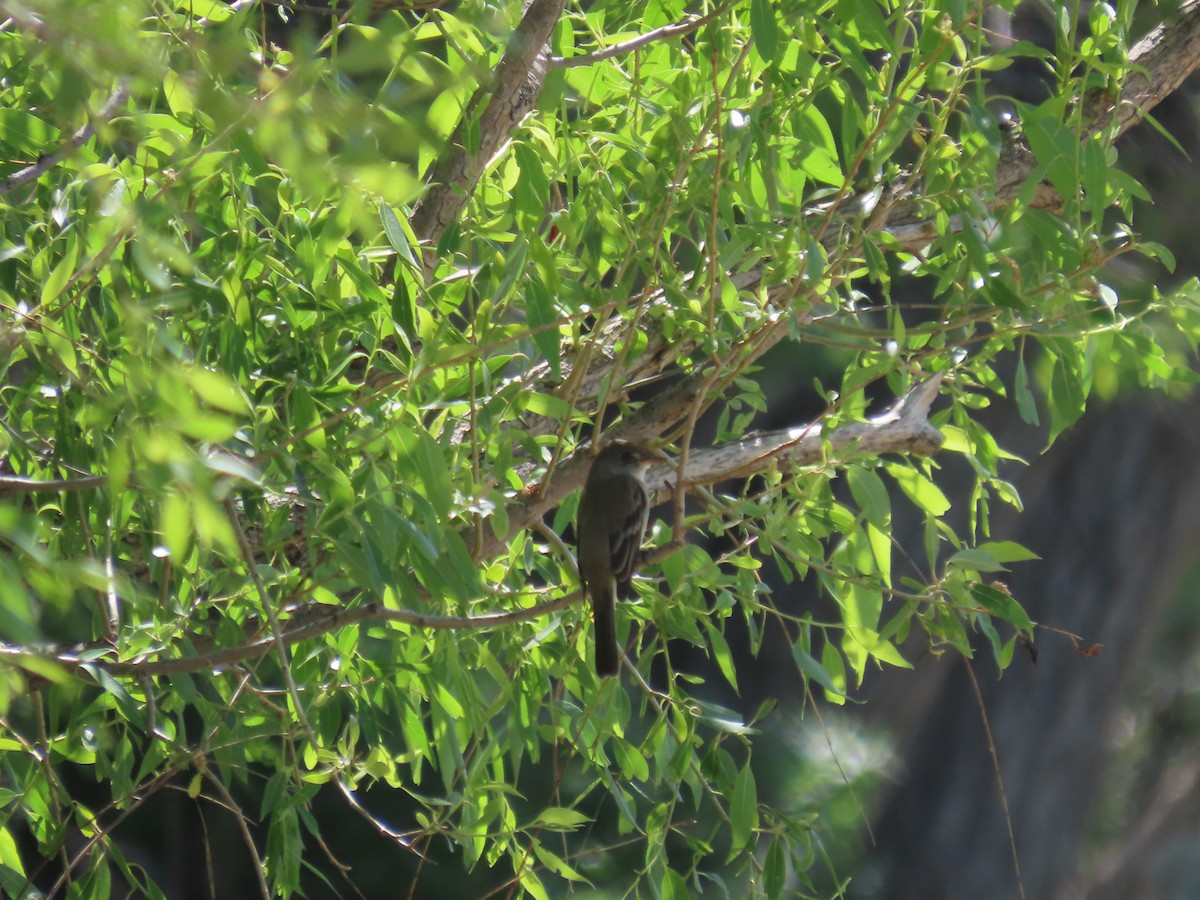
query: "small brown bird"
613, 513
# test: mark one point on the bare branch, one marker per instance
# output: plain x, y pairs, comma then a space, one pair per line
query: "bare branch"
903, 428
16, 484
686, 26
47, 162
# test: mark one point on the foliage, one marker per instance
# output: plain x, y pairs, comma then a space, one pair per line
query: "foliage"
220, 306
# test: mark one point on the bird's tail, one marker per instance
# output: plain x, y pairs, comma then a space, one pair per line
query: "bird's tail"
604, 619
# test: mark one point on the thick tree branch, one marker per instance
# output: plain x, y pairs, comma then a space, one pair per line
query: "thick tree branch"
493, 112
903, 429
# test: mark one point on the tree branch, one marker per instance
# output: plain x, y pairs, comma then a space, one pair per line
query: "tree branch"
904, 428
17, 484
686, 26
47, 162
512, 94
310, 621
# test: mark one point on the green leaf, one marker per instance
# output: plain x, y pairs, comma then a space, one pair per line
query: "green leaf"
555, 864
542, 318
1095, 176
765, 29
559, 818
531, 194
304, 417
54, 285
833, 663
400, 236
832, 680
130, 708
10, 856
175, 524
178, 94
212, 10
1003, 605
532, 884
881, 549
863, 604
1067, 395
743, 811
403, 308
61, 346
284, 851
633, 764
427, 461
1007, 551
920, 490
1026, 405
719, 650
673, 887
546, 405
215, 389
976, 560
26, 133
775, 870
871, 495
1054, 144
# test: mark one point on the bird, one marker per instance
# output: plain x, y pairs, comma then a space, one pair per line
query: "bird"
613, 513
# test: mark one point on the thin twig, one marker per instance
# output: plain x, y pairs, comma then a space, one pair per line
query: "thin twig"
277, 640
991, 744
687, 25
247, 837
392, 835
44, 758
98, 832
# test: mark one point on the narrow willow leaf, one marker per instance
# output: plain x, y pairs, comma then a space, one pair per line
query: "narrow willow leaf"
765, 29
1026, 404
743, 811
